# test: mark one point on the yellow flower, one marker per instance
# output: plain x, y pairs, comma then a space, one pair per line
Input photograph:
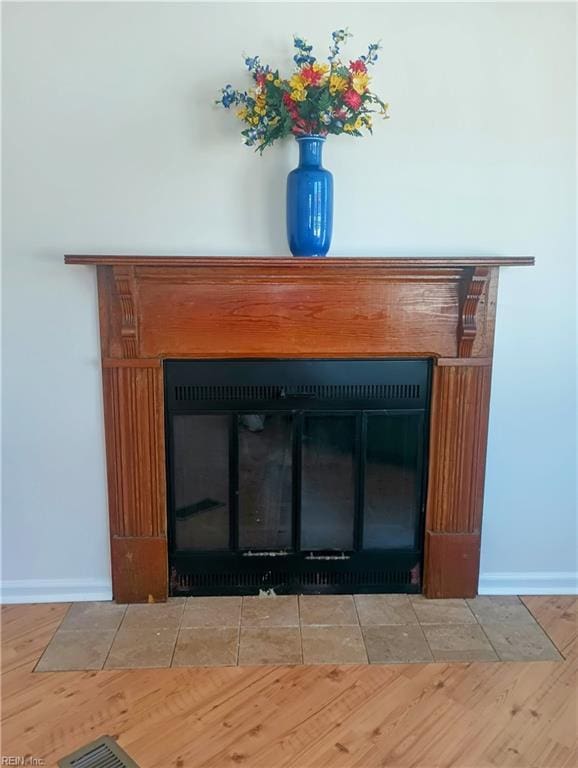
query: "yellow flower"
242, 113
337, 84
296, 83
254, 120
358, 124
359, 82
349, 127
277, 83
299, 95
270, 76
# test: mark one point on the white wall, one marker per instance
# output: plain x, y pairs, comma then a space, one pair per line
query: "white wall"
111, 144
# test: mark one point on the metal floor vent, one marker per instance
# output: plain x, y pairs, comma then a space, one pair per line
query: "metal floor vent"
102, 753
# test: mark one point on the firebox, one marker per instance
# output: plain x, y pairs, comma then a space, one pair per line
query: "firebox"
296, 475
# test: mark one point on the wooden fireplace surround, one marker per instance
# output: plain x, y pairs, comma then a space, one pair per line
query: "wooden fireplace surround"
156, 308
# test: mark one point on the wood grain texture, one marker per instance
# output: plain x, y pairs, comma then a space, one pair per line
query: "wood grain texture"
475, 715
474, 286
451, 564
139, 569
263, 262
154, 308
457, 456
234, 314
134, 422
126, 290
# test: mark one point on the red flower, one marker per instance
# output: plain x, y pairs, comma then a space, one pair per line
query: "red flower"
290, 105
311, 76
357, 66
352, 99
260, 79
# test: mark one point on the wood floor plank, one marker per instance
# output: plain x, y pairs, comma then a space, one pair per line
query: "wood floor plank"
477, 715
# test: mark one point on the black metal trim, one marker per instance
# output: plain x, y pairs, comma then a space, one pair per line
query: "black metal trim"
233, 482
294, 384
328, 572
297, 469
360, 455
213, 572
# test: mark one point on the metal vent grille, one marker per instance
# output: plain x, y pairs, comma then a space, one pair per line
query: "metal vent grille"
186, 582
191, 393
102, 753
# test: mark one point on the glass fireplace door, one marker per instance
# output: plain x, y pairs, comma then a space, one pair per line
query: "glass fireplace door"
318, 490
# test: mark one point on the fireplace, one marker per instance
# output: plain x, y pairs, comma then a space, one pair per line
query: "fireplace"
164, 314
296, 476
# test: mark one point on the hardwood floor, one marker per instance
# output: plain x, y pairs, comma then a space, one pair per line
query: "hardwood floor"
517, 715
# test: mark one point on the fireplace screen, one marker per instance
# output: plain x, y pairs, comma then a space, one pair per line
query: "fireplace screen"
296, 476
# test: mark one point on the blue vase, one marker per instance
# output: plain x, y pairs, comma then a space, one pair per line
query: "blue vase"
309, 201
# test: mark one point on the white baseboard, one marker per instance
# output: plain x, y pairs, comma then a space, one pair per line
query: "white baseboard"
529, 583
81, 590
54, 590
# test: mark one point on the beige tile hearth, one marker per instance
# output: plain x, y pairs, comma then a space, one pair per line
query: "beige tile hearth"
521, 642
212, 612
327, 610
281, 611
207, 647
97, 616
155, 615
507, 609
142, 647
270, 645
309, 629
333, 645
76, 649
459, 642
449, 611
396, 644
384, 609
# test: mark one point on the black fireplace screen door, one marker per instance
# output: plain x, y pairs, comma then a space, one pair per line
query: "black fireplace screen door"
296, 476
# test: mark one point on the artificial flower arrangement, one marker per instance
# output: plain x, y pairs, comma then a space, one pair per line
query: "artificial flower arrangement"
317, 99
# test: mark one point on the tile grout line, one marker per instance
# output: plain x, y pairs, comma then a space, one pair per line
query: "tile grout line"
421, 626
239, 632
177, 636
490, 642
360, 629
479, 623
536, 620
238, 664
114, 637
52, 636
299, 627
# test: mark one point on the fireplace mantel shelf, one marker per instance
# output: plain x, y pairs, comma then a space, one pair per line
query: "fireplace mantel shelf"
296, 263
158, 308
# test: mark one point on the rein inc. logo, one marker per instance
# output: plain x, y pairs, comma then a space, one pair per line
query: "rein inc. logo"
21, 760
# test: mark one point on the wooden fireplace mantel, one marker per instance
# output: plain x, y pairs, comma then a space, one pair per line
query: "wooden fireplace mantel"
154, 308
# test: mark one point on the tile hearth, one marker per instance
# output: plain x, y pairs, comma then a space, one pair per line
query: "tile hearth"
309, 629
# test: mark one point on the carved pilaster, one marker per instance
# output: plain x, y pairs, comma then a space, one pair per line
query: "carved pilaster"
474, 288
133, 400
133, 409
125, 288
459, 431
457, 458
